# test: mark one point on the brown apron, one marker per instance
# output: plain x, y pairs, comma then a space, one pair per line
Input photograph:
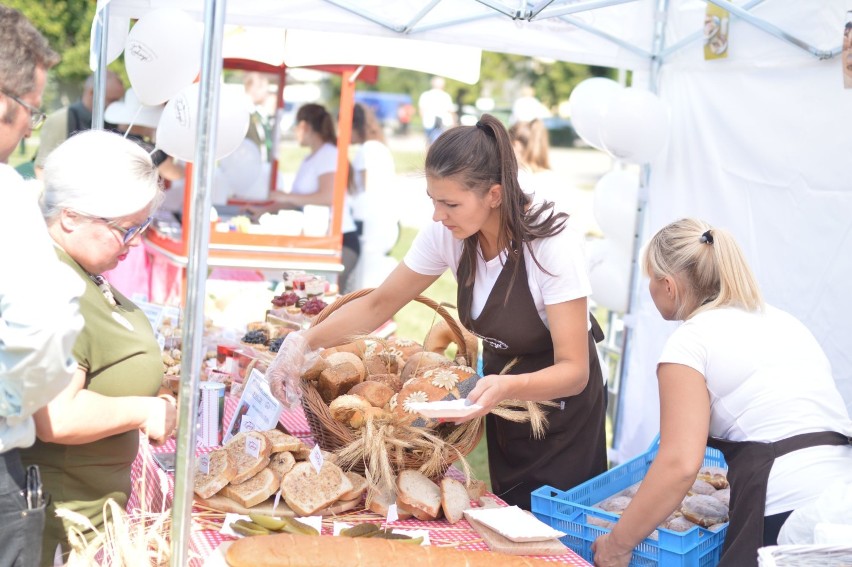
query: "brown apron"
749, 464
574, 448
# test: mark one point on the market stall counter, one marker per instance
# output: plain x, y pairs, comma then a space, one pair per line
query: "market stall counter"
153, 491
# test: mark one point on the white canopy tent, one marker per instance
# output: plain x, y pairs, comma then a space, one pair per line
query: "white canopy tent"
757, 141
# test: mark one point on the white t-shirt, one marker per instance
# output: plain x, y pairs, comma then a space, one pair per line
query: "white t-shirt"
436, 103
374, 158
323, 161
434, 250
768, 379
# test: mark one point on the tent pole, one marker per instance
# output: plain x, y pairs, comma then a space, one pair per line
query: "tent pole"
199, 239
641, 211
771, 29
101, 33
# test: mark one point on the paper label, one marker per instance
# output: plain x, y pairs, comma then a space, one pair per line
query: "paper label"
276, 501
393, 514
257, 405
316, 458
253, 446
248, 424
204, 463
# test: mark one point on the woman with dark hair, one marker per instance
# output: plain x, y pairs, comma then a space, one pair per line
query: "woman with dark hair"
523, 290
314, 181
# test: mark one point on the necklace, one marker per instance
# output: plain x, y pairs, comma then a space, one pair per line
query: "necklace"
105, 288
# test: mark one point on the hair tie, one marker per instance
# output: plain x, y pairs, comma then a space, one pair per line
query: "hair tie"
707, 238
485, 129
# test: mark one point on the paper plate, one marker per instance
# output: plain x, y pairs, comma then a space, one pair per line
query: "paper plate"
514, 524
445, 409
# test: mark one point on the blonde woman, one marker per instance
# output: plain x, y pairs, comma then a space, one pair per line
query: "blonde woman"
741, 376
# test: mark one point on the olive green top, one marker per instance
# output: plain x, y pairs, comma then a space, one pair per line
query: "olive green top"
121, 356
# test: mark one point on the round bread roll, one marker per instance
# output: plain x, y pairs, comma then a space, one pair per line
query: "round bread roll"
382, 363
345, 406
421, 362
715, 476
440, 336
615, 504
392, 381
704, 510
313, 372
340, 357
701, 487
376, 393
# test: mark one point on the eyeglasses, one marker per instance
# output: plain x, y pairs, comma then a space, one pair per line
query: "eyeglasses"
37, 117
130, 232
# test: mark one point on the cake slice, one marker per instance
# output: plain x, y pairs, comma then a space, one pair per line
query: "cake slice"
255, 490
221, 471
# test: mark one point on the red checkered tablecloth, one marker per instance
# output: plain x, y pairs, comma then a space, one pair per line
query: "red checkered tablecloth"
153, 490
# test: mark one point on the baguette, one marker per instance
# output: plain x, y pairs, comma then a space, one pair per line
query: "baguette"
289, 550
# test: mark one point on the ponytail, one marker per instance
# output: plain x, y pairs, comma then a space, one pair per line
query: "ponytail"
708, 265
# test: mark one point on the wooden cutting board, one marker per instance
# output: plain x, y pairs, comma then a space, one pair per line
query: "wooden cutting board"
225, 504
500, 544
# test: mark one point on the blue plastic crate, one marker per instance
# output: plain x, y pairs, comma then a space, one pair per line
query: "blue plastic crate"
568, 513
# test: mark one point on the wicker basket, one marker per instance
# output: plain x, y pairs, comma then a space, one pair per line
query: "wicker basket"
331, 435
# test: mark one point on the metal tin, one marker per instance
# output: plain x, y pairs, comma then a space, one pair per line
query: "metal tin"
211, 412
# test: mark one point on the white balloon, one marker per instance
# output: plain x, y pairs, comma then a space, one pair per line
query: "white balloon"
588, 103
163, 54
242, 167
614, 203
609, 274
635, 126
176, 133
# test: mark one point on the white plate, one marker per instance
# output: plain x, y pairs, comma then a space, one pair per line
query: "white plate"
514, 524
445, 408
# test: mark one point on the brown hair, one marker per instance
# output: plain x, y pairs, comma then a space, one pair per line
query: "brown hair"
22, 50
535, 143
708, 265
479, 157
366, 125
319, 120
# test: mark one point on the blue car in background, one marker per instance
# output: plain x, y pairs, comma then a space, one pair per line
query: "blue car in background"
391, 108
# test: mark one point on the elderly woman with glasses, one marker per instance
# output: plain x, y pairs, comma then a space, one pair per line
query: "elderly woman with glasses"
99, 193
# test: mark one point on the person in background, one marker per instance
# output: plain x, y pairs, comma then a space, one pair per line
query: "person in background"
743, 377
39, 297
527, 107
373, 204
314, 181
436, 109
63, 123
100, 191
260, 128
522, 288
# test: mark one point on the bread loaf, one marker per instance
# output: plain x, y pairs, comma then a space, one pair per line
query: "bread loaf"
336, 380
376, 393
382, 363
341, 357
288, 550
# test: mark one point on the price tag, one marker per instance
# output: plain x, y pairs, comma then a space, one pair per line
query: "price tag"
253, 446
393, 514
204, 464
248, 424
316, 458
277, 500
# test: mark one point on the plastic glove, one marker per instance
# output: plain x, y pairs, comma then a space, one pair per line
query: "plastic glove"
285, 372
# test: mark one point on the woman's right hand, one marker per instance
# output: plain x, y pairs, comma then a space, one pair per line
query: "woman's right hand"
161, 420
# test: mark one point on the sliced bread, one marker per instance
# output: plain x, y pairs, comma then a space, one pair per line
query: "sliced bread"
247, 464
305, 491
220, 472
418, 492
359, 486
454, 499
281, 463
255, 490
282, 441
380, 501
404, 509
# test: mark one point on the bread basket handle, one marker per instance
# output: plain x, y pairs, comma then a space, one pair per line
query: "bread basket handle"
451, 321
